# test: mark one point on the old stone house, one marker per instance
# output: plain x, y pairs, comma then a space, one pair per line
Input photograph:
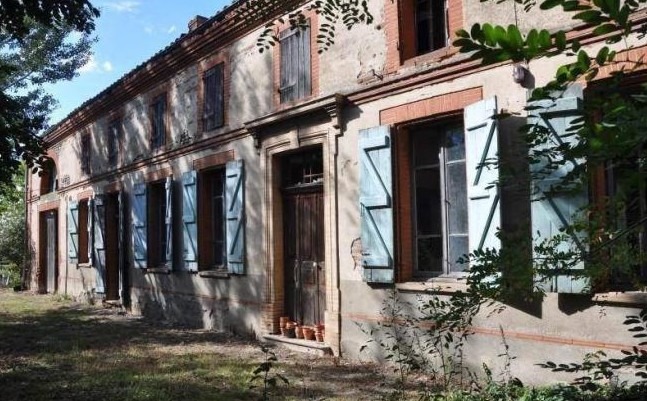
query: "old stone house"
223, 187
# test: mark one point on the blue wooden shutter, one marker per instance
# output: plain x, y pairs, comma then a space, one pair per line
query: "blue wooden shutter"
168, 222
235, 201
120, 246
190, 219
483, 200
140, 241
553, 210
73, 231
99, 219
376, 205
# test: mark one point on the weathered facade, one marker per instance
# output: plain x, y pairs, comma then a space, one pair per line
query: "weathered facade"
222, 187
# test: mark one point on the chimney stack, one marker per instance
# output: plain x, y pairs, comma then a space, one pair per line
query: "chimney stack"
196, 22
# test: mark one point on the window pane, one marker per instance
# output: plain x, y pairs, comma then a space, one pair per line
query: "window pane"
455, 144
218, 227
428, 210
458, 246
456, 198
430, 254
426, 147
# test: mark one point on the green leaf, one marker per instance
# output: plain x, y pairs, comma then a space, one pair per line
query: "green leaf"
548, 4
602, 55
589, 16
604, 29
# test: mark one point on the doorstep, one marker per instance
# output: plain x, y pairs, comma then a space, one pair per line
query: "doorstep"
296, 344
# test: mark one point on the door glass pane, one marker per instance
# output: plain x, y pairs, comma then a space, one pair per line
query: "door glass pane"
456, 198
428, 210
458, 246
430, 254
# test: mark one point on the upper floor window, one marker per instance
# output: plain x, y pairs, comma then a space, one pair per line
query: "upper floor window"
431, 25
295, 78
114, 139
213, 84
158, 121
85, 154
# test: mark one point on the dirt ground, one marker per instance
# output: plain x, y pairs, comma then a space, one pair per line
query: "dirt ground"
52, 348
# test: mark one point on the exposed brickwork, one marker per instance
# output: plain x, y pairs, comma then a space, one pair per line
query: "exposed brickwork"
88, 193
217, 159
158, 175
430, 107
630, 60
51, 205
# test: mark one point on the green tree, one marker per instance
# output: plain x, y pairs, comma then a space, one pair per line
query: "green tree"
12, 226
36, 49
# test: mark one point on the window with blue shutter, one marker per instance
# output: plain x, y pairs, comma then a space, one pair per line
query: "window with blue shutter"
190, 220
555, 208
213, 86
483, 198
99, 247
73, 231
140, 232
295, 68
235, 215
376, 205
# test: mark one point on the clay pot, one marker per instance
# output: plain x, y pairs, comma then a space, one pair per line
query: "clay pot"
298, 332
290, 325
319, 337
283, 320
289, 332
308, 333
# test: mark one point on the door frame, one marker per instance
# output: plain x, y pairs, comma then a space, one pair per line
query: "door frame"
272, 148
44, 239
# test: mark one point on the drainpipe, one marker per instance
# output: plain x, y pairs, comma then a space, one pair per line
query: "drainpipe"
27, 254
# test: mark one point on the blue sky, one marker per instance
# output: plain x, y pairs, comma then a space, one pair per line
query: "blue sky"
129, 32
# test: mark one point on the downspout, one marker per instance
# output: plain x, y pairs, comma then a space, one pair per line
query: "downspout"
27, 255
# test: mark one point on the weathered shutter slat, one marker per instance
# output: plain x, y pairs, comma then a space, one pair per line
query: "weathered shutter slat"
376, 206
554, 210
190, 219
218, 89
99, 218
235, 201
303, 69
73, 231
139, 234
483, 200
168, 222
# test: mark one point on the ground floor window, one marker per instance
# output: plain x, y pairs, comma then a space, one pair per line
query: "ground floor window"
211, 226
439, 191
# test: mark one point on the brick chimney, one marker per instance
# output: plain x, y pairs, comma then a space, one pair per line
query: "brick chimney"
196, 22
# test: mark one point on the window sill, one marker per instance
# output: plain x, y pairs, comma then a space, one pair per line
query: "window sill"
217, 274
434, 286
158, 270
84, 265
434, 56
621, 298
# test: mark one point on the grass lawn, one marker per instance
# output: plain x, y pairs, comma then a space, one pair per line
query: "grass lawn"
54, 349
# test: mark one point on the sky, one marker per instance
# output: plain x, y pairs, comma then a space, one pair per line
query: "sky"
129, 32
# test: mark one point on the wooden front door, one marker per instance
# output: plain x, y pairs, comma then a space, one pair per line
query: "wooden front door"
303, 231
305, 282
50, 251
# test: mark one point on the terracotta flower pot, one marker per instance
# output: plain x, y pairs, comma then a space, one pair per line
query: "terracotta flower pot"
290, 325
298, 332
308, 333
283, 320
319, 337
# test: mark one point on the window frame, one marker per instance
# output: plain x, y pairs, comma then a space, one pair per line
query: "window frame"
301, 37
156, 224
159, 104
217, 97
86, 149
437, 129
115, 135
207, 259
